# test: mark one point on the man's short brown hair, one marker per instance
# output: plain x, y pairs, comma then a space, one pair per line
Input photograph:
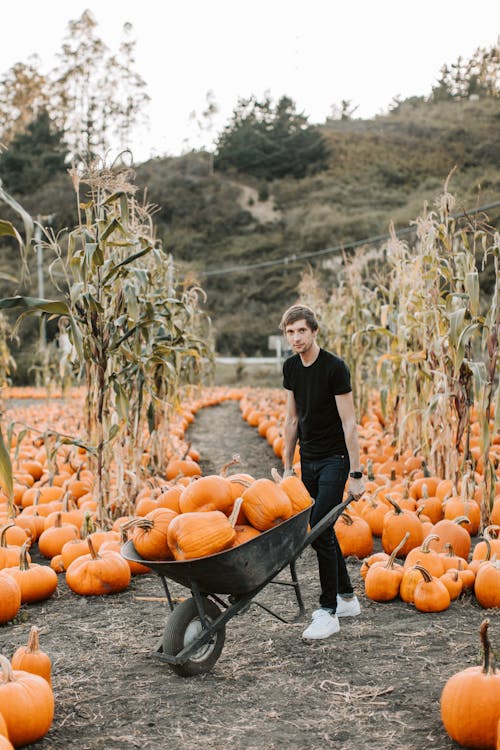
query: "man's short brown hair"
299, 312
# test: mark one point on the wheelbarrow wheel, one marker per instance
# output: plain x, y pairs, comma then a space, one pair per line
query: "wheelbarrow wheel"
183, 627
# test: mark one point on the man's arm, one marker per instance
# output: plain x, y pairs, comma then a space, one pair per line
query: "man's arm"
345, 406
290, 433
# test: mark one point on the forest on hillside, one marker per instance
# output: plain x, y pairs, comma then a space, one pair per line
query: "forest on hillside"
278, 198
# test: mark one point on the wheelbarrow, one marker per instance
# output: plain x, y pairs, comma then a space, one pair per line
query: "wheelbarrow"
194, 633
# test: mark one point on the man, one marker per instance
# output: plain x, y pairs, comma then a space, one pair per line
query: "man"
320, 414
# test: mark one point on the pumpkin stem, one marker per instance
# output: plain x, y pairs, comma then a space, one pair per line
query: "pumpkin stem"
33, 641
347, 519
3, 532
23, 556
6, 670
93, 553
461, 519
235, 460
397, 508
392, 556
236, 509
489, 666
276, 475
425, 573
424, 547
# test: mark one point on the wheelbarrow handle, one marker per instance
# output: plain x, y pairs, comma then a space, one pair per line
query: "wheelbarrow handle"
325, 522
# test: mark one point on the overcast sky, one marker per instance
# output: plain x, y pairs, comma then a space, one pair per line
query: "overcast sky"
318, 52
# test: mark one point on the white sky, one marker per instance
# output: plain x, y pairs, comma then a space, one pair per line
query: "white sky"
318, 52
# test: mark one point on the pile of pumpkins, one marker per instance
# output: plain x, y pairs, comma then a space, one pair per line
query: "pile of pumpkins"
213, 513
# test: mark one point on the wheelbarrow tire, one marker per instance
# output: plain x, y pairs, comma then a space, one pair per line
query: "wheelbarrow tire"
183, 626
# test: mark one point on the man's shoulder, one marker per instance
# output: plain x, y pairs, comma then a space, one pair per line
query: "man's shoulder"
291, 362
332, 359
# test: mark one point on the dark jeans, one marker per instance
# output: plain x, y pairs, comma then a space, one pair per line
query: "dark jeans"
325, 481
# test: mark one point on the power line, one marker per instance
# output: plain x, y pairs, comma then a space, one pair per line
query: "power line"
331, 250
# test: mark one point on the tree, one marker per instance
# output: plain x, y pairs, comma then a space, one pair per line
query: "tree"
34, 156
23, 94
270, 142
97, 96
479, 76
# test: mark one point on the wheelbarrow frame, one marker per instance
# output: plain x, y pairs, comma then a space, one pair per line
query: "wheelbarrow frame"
241, 573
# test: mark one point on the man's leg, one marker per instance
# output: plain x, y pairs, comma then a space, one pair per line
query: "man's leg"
329, 483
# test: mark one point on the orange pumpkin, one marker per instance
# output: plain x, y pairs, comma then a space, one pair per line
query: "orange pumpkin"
197, 534
453, 533
97, 574
212, 492
470, 701
37, 582
296, 491
383, 578
31, 659
354, 536
53, 538
397, 524
430, 559
266, 505
10, 598
487, 584
430, 595
27, 704
150, 534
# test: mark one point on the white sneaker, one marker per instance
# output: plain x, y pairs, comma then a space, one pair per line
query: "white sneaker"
323, 625
348, 607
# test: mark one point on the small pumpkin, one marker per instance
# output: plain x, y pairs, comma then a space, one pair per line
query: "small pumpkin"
396, 524
37, 582
31, 658
411, 576
430, 595
96, 574
53, 538
487, 584
354, 536
295, 489
383, 579
454, 533
10, 597
150, 534
453, 582
470, 701
430, 559
27, 703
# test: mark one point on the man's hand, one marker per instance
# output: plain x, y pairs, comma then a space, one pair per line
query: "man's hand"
356, 487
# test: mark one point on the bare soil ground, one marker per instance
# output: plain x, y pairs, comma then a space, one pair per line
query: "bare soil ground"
373, 686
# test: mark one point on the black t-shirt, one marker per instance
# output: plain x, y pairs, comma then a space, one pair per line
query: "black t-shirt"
314, 388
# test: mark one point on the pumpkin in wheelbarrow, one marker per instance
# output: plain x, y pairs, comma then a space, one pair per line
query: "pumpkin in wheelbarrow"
266, 505
200, 533
212, 492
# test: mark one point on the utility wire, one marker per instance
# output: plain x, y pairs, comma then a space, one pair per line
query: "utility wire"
332, 250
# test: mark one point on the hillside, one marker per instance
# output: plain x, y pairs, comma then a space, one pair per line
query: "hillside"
379, 171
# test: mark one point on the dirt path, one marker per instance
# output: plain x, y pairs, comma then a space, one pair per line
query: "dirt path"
373, 686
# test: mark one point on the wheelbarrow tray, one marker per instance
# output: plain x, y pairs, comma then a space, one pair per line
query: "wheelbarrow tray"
239, 570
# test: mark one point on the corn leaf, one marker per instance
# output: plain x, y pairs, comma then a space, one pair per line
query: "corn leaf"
6, 478
463, 340
34, 304
472, 288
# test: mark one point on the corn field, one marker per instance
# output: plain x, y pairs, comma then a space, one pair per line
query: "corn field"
411, 322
